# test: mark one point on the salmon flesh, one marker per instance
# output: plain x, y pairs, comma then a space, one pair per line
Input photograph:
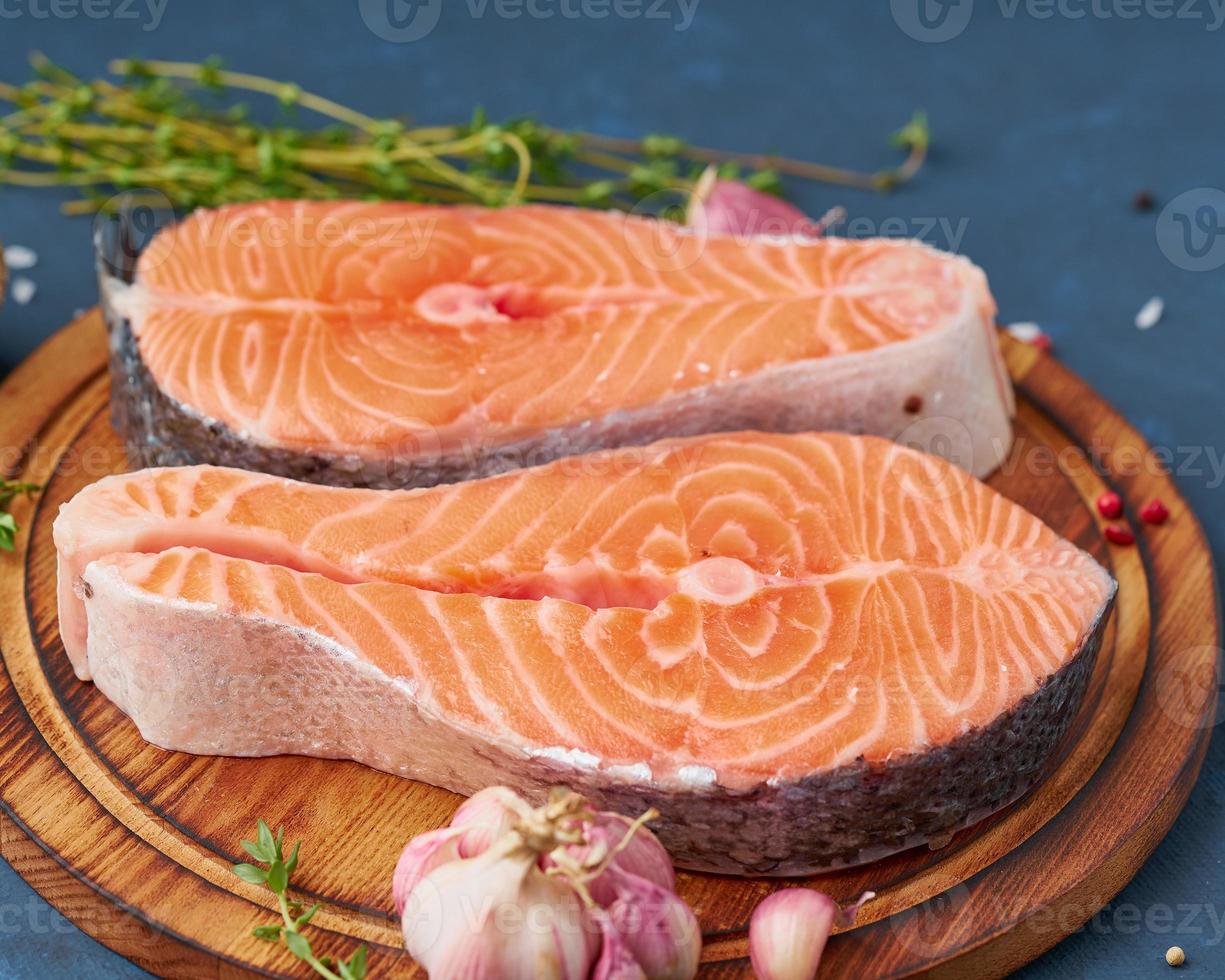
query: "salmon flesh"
398, 345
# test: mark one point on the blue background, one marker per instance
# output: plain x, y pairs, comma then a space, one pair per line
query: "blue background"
1047, 119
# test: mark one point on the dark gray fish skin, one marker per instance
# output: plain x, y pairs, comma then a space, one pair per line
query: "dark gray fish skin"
864, 811
157, 430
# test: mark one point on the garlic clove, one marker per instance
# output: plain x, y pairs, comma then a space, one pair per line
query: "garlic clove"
424, 853
789, 929
643, 855
728, 207
616, 962
498, 915
659, 929
486, 816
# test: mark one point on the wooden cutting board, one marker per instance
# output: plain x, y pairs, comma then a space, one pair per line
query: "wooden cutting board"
135, 844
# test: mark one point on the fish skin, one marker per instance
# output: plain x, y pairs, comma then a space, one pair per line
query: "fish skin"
625, 358
653, 627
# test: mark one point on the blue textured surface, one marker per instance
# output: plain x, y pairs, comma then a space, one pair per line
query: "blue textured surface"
1048, 117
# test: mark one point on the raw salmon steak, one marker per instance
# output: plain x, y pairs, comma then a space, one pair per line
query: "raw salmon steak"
805, 650
396, 345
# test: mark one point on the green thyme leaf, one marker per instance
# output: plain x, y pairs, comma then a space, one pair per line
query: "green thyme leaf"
267, 843
306, 916
659, 145
299, 945
766, 180
278, 877
8, 532
252, 874
355, 967
254, 850
915, 135
292, 864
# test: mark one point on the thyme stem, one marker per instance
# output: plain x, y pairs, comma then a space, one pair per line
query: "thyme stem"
175, 129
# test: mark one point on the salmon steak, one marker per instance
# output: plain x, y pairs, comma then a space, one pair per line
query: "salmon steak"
806, 650
396, 345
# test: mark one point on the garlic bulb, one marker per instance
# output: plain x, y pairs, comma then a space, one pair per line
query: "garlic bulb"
497, 915
789, 929
509, 891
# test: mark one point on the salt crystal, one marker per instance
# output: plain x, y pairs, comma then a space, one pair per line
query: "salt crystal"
20, 257
1025, 332
23, 290
1150, 313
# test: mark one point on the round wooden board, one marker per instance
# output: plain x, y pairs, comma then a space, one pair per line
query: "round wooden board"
135, 844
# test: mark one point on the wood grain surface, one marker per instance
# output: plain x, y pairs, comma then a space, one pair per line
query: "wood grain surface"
135, 844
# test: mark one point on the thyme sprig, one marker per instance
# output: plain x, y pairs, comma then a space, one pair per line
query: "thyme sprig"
268, 848
180, 130
10, 490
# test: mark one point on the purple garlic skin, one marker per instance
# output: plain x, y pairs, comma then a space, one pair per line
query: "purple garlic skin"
659, 929
616, 962
512, 892
728, 207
